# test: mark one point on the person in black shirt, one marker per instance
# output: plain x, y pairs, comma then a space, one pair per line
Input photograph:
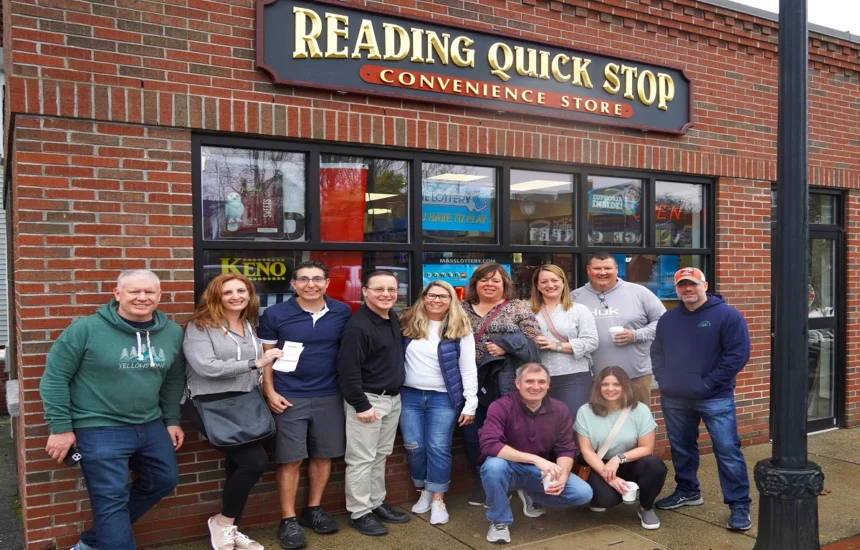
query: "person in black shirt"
371, 371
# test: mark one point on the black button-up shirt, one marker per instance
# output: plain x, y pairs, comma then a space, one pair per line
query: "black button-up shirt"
370, 357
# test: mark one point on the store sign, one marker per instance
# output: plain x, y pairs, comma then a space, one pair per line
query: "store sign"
255, 269
322, 45
622, 200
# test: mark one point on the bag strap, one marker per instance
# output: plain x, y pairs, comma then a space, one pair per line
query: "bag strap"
550, 325
489, 319
612, 434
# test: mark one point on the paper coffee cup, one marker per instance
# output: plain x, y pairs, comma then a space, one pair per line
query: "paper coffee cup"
547, 480
632, 492
615, 330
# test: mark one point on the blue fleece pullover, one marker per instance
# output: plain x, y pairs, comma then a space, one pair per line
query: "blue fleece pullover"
697, 354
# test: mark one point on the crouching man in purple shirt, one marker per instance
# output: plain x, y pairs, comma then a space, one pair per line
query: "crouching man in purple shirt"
523, 434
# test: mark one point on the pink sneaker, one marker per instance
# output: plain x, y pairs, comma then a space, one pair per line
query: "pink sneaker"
222, 537
244, 542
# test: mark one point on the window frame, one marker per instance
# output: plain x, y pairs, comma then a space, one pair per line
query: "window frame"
415, 245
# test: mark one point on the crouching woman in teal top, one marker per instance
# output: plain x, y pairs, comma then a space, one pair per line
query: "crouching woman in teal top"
630, 452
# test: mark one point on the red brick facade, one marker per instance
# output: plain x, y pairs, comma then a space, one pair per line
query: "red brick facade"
103, 97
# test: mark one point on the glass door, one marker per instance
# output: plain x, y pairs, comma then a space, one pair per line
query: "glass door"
825, 339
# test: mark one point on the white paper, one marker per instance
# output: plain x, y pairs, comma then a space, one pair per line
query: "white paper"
290, 360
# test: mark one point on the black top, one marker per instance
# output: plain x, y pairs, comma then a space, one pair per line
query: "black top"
139, 325
370, 358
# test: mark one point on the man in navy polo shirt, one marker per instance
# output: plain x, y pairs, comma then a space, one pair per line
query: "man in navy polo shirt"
306, 401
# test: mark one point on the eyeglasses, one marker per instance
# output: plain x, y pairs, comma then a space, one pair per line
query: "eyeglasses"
602, 298
441, 297
306, 280
383, 290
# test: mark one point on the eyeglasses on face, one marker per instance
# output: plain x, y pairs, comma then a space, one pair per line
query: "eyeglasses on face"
383, 290
306, 280
441, 297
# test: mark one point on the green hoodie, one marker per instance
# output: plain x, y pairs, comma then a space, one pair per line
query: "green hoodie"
102, 372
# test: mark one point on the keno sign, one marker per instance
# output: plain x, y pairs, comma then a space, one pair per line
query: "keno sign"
330, 46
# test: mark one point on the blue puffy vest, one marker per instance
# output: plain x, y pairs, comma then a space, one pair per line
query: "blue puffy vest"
448, 352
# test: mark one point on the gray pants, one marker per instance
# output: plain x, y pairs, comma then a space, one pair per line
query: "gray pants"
367, 447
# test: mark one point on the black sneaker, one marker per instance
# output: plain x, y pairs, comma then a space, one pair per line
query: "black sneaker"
478, 496
386, 513
291, 535
368, 525
318, 519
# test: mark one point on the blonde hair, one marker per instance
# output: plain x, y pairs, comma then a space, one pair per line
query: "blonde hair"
537, 297
415, 323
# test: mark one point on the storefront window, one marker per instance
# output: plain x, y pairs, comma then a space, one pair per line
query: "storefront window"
541, 208
457, 267
271, 271
458, 204
656, 272
679, 214
363, 199
252, 194
614, 211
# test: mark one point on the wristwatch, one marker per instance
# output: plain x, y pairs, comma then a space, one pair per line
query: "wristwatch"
621, 457
558, 347
252, 364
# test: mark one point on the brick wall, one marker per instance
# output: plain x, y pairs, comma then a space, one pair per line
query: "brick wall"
104, 96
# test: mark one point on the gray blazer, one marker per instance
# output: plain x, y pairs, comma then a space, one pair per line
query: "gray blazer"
218, 360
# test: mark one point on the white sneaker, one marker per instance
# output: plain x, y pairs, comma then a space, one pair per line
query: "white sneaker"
498, 532
244, 542
423, 504
530, 509
596, 509
222, 537
438, 513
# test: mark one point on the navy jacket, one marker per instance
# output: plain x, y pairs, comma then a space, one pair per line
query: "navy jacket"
697, 354
448, 352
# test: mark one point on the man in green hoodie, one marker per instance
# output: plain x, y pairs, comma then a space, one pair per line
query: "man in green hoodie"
112, 386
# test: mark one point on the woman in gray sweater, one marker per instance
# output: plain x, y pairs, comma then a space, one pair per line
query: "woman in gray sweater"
568, 336
224, 357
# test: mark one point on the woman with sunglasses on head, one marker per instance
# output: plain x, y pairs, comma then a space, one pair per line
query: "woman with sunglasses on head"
568, 336
224, 358
440, 391
505, 331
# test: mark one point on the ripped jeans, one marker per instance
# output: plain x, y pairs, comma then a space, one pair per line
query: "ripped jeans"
427, 423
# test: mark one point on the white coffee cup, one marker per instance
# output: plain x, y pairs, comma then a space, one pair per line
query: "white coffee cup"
615, 330
632, 492
547, 480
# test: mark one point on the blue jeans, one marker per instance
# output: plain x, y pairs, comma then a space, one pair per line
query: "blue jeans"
571, 389
427, 423
500, 476
107, 454
682, 426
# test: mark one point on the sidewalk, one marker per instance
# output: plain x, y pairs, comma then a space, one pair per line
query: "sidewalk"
689, 528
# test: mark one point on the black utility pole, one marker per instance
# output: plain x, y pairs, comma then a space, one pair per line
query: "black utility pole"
789, 484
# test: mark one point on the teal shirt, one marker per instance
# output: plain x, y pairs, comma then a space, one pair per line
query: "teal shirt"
101, 371
639, 423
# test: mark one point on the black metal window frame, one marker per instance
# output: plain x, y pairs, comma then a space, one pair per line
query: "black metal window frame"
837, 232
579, 251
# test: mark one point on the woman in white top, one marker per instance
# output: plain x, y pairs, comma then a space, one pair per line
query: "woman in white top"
440, 391
568, 336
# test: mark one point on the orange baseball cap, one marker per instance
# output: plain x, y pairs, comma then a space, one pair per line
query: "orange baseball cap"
690, 274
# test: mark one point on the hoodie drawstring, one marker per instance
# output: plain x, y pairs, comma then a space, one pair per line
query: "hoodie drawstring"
140, 349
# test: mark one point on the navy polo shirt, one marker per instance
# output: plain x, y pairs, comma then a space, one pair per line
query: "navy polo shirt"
316, 373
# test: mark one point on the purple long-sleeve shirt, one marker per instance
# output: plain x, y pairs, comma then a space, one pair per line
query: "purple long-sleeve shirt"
546, 432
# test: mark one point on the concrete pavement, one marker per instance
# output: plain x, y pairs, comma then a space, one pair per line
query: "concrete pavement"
688, 528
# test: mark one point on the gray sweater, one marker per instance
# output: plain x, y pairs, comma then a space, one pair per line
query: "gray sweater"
218, 361
577, 327
633, 307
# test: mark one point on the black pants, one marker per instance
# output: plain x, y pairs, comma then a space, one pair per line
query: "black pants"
244, 467
471, 441
649, 473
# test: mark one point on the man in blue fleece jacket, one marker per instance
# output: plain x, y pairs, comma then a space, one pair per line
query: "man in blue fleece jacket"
700, 347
